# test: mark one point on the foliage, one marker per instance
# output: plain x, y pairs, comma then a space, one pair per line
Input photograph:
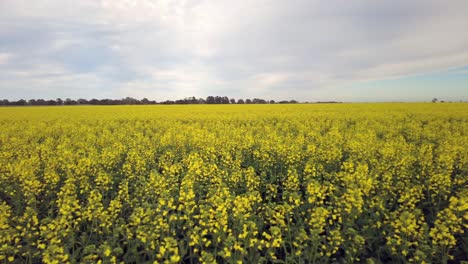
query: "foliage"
133, 101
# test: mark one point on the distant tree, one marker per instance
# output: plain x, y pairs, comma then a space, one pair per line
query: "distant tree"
240, 101
293, 102
59, 101
434, 100
248, 101
21, 102
82, 101
210, 100
232, 100
41, 102
259, 101
130, 101
192, 100
106, 102
272, 101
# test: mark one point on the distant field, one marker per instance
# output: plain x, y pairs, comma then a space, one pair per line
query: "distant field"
315, 183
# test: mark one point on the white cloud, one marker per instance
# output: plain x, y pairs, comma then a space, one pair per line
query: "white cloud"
4, 58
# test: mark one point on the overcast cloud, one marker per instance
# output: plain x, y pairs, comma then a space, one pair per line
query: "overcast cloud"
301, 49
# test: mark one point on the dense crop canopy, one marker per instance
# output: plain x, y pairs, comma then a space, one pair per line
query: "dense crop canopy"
234, 183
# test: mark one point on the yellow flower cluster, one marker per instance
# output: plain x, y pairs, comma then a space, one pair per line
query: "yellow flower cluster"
450, 222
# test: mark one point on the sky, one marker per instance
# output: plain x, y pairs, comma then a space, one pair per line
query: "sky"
308, 50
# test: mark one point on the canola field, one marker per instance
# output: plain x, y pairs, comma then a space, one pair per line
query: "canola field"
309, 183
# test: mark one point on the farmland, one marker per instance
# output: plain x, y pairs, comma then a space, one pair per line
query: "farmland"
300, 183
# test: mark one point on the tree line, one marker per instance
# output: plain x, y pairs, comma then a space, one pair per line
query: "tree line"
144, 101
